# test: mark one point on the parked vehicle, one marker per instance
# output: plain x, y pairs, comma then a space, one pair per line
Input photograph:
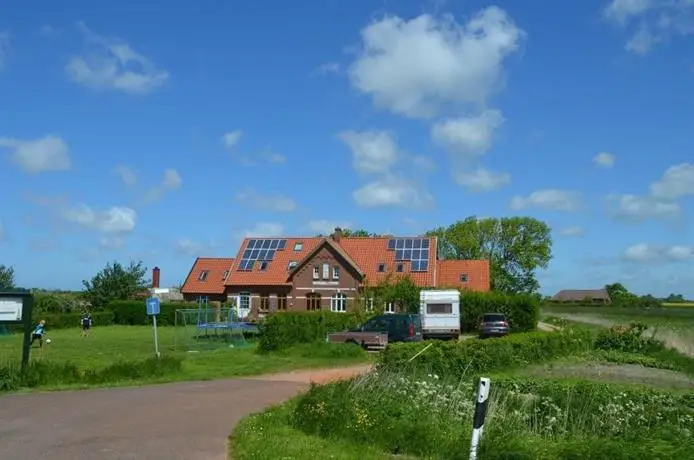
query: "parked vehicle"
493, 325
440, 312
381, 329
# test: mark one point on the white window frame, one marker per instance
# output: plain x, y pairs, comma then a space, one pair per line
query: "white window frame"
338, 303
326, 271
247, 297
390, 308
316, 273
298, 246
336, 272
369, 304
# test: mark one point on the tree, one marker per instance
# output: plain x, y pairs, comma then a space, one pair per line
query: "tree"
515, 247
115, 282
6, 278
361, 232
618, 293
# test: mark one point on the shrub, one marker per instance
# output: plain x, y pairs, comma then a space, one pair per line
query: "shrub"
285, 329
522, 310
629, 339
68, 320
475, 355
133, 313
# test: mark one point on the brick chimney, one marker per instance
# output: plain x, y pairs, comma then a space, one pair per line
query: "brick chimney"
155, 278
337, 234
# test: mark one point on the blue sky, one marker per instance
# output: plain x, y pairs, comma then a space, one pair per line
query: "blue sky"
160, 131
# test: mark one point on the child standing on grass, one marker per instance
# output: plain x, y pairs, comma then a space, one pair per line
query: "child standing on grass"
39, 332
86, 323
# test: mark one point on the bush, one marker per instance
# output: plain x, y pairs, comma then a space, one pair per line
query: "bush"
286, 329
68, 320
522, 310
42, 373
627, 339
475, 355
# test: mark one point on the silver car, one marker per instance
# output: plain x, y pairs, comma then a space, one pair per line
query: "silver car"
493, 325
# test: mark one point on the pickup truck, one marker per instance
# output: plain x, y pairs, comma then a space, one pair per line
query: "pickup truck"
381, 329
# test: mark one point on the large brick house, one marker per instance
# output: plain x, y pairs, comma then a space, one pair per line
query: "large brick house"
325, 273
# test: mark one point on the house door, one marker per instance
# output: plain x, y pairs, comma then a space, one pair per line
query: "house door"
313, 301
244, 305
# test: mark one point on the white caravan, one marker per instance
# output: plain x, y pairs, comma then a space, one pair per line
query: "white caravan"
440, 314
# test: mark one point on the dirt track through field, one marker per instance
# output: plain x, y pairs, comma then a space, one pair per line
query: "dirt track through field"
186, 421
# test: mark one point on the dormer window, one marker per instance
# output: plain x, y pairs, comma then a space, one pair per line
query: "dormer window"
263, 265
226, 273
381, 268
203, 275
400, 267
463, 278
298, 246
291, 265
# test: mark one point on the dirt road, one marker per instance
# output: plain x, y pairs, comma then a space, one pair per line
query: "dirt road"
186, 421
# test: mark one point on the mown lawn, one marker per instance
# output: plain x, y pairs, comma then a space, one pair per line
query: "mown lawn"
111, 344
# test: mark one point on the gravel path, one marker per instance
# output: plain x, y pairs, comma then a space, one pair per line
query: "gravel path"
186, 421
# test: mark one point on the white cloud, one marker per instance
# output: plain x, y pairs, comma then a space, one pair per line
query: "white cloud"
126, 174
604, 159
329, 67
467, 136
326, 227
264, 229
482, 180
655, 253
417, 67
111, 243
49, 153
373, 151
549, 200
676, 182
272, 201
572, 231
232, 138
113, 64
4, 47
640, 208
392, 192
171, 181
653, 21
116, 219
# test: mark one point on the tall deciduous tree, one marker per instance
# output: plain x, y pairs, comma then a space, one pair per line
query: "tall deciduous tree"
115, 282
6, 278
515, 247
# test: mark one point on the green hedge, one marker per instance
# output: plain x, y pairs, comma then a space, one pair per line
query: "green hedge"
474, 355
523, 311
133, 312
285, 329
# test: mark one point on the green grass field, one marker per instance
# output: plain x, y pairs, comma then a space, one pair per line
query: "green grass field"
111, 344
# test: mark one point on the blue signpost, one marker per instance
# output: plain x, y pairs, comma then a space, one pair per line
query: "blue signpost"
153, 307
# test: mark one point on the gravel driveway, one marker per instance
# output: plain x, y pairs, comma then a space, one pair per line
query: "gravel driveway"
186, 421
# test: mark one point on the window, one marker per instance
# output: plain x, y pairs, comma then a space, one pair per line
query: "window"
439, 308
263, 265
338, 303
316, 273
281, 302
226, 273
291, 265
245, 300
336, 273
381, 268
326, 271
463, 277
313, 301
399, 268
264, 303
369, 304
298, 246
203, 275
390, 308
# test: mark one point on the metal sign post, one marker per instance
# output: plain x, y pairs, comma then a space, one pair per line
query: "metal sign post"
480, 414
153, 308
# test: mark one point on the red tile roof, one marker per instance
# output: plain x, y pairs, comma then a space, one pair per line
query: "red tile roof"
367, 253
216, 267
464, 274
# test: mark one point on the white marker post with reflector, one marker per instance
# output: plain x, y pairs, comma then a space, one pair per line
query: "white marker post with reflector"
480, 414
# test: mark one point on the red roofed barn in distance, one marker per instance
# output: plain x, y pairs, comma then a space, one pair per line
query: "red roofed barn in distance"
324, 273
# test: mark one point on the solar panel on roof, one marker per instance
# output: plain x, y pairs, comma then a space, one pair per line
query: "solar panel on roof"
391, 244
414, 250
260, 250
